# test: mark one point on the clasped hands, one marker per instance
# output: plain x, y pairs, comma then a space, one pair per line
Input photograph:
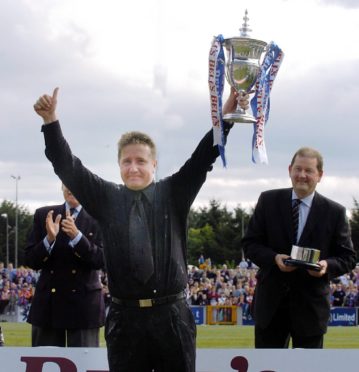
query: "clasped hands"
68, 226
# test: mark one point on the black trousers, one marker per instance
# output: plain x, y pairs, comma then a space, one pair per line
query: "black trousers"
280, 330
160, 338
62, 337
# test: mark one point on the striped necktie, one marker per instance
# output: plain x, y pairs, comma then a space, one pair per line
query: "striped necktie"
295, 215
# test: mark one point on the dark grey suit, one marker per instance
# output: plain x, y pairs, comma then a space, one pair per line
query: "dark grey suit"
305, 298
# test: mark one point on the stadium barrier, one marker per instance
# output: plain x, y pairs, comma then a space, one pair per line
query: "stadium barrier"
230, 315
47, 359
222, 315
16, 316
234, 315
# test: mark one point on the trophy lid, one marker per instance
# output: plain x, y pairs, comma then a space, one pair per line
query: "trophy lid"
245, 26
244, 34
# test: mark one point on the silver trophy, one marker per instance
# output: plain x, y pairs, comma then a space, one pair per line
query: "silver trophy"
243, 60
304, 257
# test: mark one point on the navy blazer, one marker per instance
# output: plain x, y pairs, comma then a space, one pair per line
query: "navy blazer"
68, 293
270, 232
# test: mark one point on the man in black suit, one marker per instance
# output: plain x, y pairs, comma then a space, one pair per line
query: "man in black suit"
68, 306
149, 326
291, 301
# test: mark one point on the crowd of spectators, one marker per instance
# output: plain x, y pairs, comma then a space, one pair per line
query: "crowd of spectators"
211, 285
17, 287
207, 285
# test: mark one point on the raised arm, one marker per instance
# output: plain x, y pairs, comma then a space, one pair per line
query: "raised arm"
89, 189
189, 179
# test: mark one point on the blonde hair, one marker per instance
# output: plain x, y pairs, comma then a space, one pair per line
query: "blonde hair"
131, 138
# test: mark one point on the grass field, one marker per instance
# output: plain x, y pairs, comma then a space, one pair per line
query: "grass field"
220, 336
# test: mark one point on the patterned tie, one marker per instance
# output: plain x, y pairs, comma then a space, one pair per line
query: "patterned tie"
140, 241
295, 214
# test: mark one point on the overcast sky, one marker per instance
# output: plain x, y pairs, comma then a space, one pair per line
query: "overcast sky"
142, 65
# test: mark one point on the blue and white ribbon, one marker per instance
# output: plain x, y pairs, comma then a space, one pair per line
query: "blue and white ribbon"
260, 103
216, 85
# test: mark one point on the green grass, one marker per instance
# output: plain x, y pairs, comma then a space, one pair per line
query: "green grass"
217, 336
225, 336
242, 337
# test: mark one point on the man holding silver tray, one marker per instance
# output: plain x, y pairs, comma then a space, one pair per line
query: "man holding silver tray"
300, 240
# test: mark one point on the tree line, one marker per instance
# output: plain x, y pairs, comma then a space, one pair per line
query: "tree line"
214, 231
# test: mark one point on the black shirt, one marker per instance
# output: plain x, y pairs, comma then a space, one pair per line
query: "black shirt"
169, 202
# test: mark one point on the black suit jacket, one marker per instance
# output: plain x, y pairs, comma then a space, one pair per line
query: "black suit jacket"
68, 293
270, 232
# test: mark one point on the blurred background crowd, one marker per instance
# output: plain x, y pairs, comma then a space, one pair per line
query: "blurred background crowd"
207, 286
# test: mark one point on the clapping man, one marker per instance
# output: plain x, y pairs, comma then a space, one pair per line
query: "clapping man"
66, 245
